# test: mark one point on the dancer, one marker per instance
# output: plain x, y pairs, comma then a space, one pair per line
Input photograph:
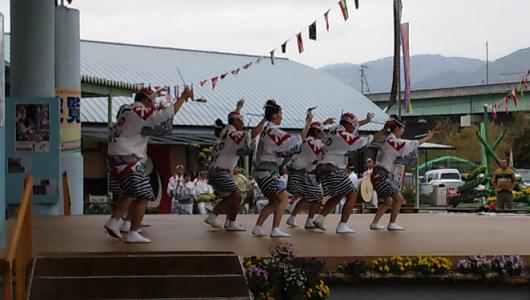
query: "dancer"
127, 148
394, 151
232, 142
336, 184
302, 181
273, 146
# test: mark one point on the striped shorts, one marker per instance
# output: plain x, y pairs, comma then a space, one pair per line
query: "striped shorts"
304, 184
334, 181
222, 182
383, 184
269, 182
133, 183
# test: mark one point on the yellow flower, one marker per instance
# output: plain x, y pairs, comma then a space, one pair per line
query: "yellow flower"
320, 294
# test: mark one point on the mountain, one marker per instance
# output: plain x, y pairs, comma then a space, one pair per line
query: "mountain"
434, 71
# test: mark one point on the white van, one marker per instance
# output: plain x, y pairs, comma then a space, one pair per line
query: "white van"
450, 178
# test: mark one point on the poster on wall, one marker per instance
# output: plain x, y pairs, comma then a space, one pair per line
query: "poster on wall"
70, 110
32, 127
32, 148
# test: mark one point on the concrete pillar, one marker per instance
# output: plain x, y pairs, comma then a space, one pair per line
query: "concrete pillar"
2, 134
32, 48
68, 90
33, 59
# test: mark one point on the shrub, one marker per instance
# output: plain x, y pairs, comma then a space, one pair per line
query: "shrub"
355, 269
507, 265
476, 265
428, 265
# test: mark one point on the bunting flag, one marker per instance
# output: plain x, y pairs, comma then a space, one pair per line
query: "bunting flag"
514, 97
284, 47
300, 42
313, 31
494, 112
326, 17
214, 82
406, 65
344, 9
175, 91
343, 5
505, 99
525, 83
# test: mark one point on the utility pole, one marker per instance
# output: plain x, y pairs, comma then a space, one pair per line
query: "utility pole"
487, 64
396, 77
364, 79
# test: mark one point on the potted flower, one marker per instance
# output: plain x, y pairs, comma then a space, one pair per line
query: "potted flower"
355, 269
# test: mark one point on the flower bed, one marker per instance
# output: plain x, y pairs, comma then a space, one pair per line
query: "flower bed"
283, 276
507, 268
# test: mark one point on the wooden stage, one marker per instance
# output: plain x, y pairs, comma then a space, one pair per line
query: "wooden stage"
429, 234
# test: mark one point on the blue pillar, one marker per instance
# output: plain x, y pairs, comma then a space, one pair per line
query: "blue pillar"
2, 134
32, 71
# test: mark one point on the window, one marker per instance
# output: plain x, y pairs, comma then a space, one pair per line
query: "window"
452, 176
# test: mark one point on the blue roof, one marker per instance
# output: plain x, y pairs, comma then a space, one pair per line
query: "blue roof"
295, 86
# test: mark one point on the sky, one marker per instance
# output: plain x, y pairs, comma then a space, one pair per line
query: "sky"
446, 27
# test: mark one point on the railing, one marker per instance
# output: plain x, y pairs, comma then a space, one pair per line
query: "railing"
67, 205
20, 249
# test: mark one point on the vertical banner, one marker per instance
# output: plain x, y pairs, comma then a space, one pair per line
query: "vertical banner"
70, 118
407, 106
2, 73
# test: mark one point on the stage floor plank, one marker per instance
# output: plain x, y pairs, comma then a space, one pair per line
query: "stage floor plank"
446, 235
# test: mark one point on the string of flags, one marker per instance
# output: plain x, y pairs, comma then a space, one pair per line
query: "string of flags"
312, 35
514, 95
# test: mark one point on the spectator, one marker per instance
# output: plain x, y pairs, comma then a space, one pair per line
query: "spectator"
504, 182
175, 185
203, 192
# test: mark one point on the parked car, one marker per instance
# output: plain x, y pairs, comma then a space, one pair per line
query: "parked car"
450, 178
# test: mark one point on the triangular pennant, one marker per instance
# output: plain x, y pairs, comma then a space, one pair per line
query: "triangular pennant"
356, 4
203, 82
258, 60
247, 65
224, 75
214, 82
272, 56
313, 31
513, 93
284, 47
505, 99
300, 42
326, 17
235, 71
344, 9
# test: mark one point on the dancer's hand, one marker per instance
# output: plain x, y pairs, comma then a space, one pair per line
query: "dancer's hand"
309, 117
186, 94
239, 105
369, 117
